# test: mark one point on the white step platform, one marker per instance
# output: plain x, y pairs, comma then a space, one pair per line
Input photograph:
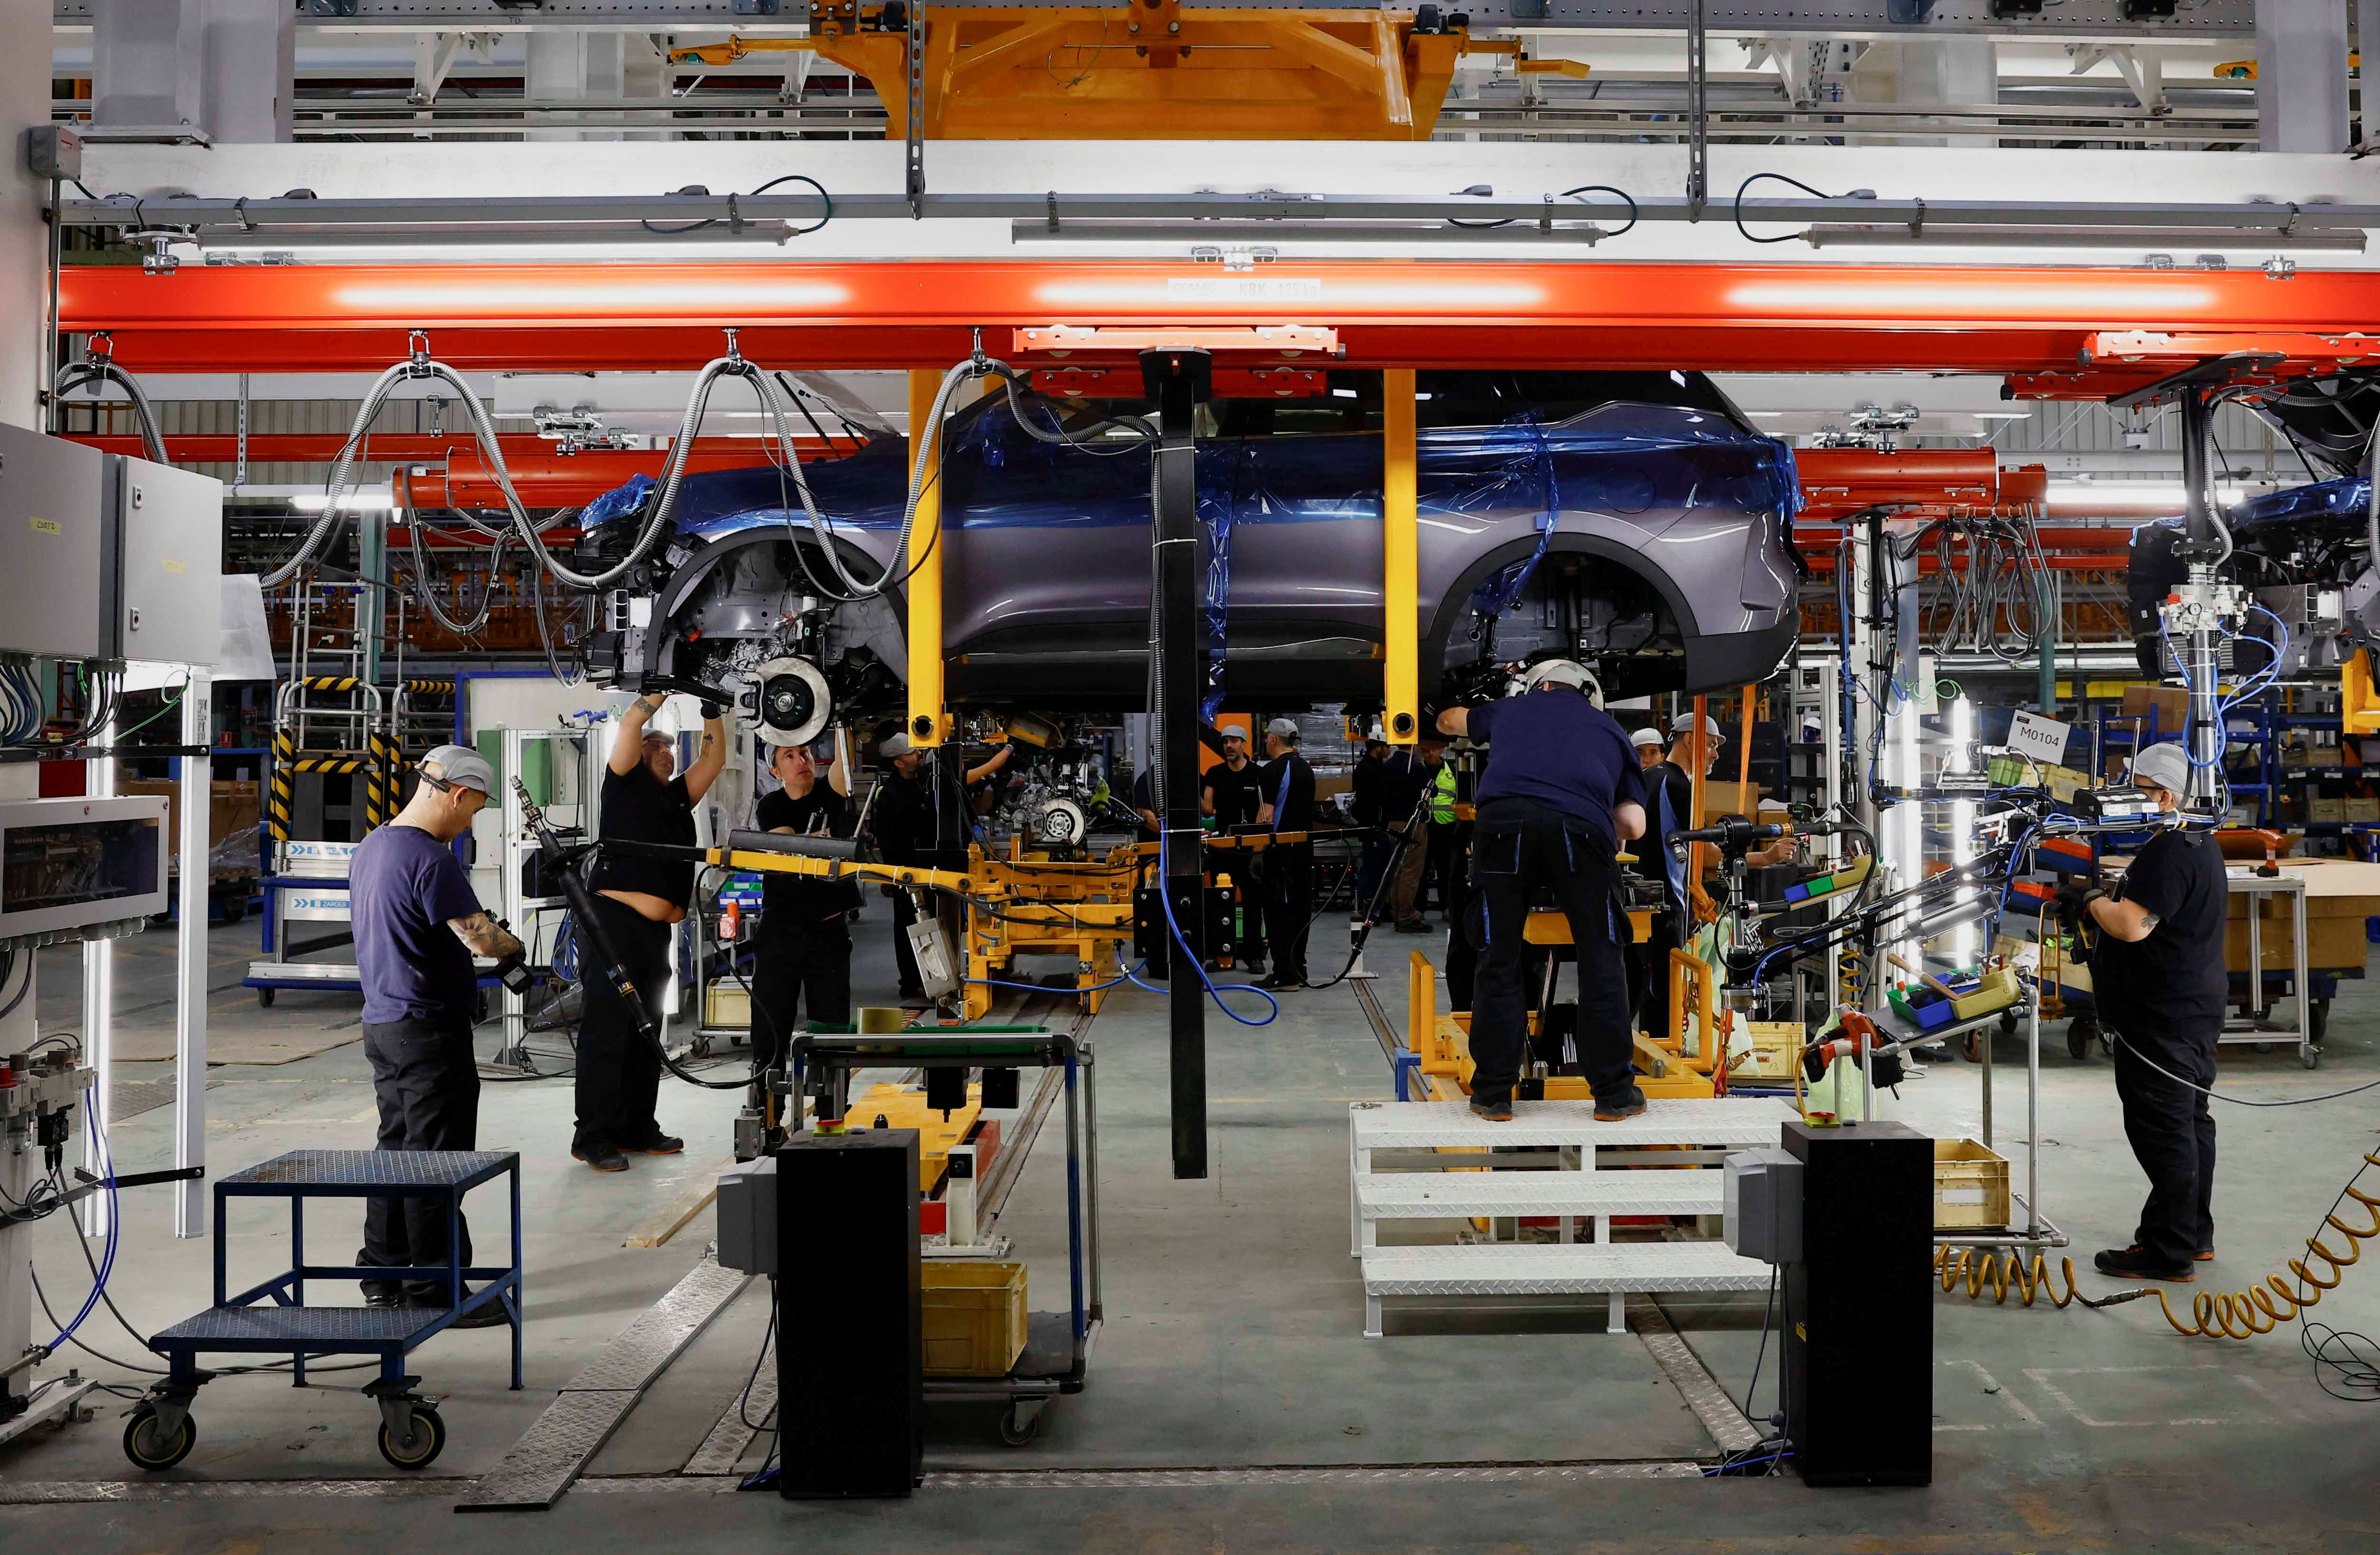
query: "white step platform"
1598, 1196
1460, 1189
1538, 1269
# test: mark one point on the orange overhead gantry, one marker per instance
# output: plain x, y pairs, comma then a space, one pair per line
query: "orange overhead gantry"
2070, 332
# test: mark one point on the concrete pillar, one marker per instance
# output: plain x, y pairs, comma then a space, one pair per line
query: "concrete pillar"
1923, 71
576, 66
2302, 75
140, 54
250, 69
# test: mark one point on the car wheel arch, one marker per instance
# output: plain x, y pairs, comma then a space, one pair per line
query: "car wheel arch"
1451, 607
701, 567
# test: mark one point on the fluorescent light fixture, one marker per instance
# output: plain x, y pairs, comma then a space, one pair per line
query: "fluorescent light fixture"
354, 502
2184, 239
2135, 494
760, 237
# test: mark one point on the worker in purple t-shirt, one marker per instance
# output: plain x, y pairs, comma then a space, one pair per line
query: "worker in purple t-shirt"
418, 925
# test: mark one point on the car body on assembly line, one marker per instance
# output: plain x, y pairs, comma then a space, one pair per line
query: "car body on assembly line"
1631, 520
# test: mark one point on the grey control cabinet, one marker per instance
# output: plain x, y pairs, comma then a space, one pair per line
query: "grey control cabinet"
57, 562
169, 601
105, 557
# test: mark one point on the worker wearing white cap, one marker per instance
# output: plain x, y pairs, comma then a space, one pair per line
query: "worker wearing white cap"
1286, 805
1649, 747
1669, 806
417, 927
2160, 989
1561, 791
1232, 792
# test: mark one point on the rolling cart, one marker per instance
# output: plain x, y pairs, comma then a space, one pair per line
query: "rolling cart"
1057, 1354
161, 1431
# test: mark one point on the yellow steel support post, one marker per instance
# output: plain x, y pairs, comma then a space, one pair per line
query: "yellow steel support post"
925, 564
1400, 555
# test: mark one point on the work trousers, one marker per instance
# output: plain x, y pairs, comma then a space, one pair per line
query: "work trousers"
426, 1081
1509, 865
1288, 887
948, 912
1444, 865
1413, 864
2173, 1135
619, 1071
1369, 867
803, 972
1653, 1003
1249, 883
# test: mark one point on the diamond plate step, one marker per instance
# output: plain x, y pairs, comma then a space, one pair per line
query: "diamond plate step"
1618, 1269
1547, 1269
1420, 1194
1393, 1126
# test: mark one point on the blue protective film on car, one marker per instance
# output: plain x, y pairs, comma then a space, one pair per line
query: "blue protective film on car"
1499, 592
2325, 499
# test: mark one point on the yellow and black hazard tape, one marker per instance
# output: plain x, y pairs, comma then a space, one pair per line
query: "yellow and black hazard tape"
332, 683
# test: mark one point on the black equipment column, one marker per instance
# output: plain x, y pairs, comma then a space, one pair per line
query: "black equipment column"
851, 1350
1859, 1307
1178, 381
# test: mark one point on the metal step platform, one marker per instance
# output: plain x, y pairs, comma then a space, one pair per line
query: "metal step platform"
1443, 1145
1537, 1269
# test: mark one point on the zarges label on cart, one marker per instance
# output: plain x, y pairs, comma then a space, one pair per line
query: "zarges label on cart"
2044, 739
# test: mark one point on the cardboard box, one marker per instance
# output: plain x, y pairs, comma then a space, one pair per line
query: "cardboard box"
1731, 798
233, 807
2334, 932
2326, 812
2168, 704
2363, 810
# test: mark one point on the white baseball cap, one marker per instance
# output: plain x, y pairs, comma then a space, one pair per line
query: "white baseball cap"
1285, 727
896, 746
2165, 765
1646, 736
1235, 729
1685, 724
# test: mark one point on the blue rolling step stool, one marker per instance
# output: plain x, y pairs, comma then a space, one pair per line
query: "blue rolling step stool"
160, 1432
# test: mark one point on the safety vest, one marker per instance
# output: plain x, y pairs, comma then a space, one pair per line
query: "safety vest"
1441, 797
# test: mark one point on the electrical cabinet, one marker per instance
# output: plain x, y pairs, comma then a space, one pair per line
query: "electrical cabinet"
106, 557
169, 599
57, 563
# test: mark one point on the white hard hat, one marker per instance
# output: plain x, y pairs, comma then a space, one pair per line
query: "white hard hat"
1685, 724
1646, 736
2165, 765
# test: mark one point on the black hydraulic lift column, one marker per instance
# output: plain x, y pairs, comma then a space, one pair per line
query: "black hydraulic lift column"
1178, 381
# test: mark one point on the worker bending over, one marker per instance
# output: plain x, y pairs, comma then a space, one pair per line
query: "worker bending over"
801, 958
1562, 790
925, 819
2161, 987
645, 799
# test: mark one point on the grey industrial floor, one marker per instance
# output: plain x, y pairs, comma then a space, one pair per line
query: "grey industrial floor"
1234, 1341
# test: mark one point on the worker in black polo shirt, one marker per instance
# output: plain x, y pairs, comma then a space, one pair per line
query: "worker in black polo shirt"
1232, 792
1288, 806
2161, 988
640, 898
922, 818
1562, 790
801, 957
1669, 806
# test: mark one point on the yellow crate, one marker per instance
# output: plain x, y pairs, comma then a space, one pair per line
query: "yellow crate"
1772, 1047
727, 1003
973, 1318
1970, 1186
1996, 991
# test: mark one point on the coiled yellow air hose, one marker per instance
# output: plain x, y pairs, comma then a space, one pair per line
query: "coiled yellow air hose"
2213, 1314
